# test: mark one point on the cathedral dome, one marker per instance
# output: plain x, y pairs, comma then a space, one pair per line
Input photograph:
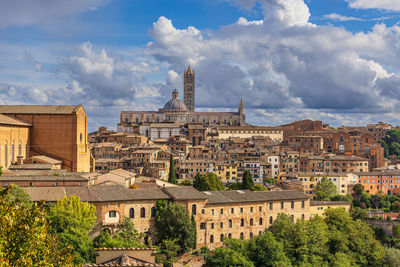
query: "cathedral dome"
175, 104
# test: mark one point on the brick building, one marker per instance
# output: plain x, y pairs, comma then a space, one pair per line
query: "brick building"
59, 132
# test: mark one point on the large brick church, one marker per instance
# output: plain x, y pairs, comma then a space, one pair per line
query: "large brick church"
168, 120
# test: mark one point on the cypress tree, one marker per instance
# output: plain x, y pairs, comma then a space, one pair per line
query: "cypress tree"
247, 181
171, 175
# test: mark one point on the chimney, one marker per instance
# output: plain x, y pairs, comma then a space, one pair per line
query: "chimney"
20, 160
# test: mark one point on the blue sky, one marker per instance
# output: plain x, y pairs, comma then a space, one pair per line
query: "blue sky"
332, 60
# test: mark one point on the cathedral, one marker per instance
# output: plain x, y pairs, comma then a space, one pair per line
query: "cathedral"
177, 113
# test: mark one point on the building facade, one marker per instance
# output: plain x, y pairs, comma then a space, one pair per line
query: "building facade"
59, 132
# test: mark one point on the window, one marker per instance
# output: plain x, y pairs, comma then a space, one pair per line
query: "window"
112, 214
260, 209
202, 211
271, 206
222, 211
230, 223
221, 238
30, 184
282, 205
302, 216
212, 211
292, 204
260, 222
142, 213
241, 222
302, 204
232, 210
211, 239
221, 225
229, 235
251, 222
271, 220
131, 213
241, 210
202, 225
251, 209
194, 211
241, 235
153, 212
251, 235
212, 225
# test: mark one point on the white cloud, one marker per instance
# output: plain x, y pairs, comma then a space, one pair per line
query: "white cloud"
23, 12
393, 5
285, 67
335, 16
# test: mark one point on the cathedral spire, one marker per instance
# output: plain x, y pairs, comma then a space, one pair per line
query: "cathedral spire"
241, 106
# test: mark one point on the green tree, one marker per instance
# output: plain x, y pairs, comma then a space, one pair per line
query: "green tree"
171, 175
25, 239
385, 147
208, 182
168, 252
259, 187
224, 257
392, 257
125, 236
185, 183
172, 221
72, 220
247, 181
353, 238
194, 229
358, 213
15, 194
358, 189
265, 250
235, 186
325, 189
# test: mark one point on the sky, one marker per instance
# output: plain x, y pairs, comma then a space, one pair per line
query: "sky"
330, 60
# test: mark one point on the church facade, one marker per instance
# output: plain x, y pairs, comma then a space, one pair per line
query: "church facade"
168, 121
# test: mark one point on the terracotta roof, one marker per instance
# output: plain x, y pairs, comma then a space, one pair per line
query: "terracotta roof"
12, 121
43, 178
46, 159
322, 203
52, 194
33, 166
39, 109
184, 193
240, 196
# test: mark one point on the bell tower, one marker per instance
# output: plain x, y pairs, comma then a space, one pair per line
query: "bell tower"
189, 89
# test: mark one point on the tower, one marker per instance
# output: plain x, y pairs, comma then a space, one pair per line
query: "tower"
242, 116
189, 89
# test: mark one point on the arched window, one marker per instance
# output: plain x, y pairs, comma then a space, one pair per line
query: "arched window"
260, 233
221, 238
194, 209
242, 222
211, 239
271, 220
251, 222
241, 236
153, 212
260, 221
142, 212
251, 235
230, 223
229, 235
131, 213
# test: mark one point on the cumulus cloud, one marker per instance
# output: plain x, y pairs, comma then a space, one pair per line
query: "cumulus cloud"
22, 12
335, 16
285, 67
393, 5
